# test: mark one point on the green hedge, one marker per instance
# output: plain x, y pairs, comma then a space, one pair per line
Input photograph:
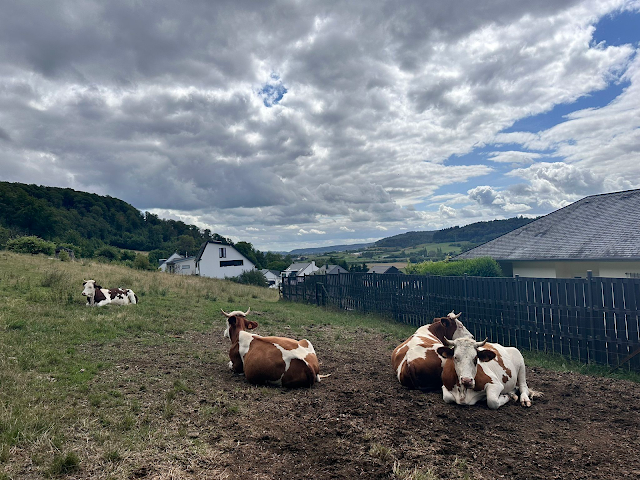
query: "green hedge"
33, 245
476, 267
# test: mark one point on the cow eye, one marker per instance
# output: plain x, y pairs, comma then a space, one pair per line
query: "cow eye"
475, 361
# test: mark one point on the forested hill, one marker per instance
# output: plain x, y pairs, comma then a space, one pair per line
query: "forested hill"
479, 232
89, 221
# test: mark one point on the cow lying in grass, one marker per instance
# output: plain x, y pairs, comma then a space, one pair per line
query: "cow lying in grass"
269, 360
472, 374
416, 362
98, 296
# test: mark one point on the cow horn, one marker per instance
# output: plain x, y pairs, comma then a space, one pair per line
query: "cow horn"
457, 316
225, 313
480, 344
448, 342
247, 312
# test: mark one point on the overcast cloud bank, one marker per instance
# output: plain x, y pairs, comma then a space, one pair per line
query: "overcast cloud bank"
292, 124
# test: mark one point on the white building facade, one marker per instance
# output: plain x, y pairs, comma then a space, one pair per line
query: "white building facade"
218, 260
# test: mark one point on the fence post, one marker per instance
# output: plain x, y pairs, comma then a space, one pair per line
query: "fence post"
518, 318
592, 335
466, 296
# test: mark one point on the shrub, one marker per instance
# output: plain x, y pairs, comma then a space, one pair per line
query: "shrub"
141, 262
475, 267
110, 253
251, 277
128, 255
32, 245
64, 256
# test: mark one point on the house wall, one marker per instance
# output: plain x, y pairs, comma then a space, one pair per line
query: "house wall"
173, 256
188, 267
209, 265
566, 269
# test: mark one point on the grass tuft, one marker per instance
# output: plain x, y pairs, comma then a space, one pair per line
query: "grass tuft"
64, 464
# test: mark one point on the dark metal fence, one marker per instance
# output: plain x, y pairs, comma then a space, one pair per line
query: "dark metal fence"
593, 319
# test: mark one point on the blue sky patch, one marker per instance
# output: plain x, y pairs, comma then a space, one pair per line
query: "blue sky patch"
544, 121
618, 29
272, 91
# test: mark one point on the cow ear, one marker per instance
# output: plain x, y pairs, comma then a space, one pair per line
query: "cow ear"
486, 355
445, 352
446, 321
251, 325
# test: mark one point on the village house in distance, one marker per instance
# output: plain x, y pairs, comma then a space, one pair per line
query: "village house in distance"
214, 260
600, 233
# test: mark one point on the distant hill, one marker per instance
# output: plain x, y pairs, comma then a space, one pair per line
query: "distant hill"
332, 248
406, 240
479, 232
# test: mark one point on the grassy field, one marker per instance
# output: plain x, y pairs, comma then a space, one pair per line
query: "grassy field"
62, 370
80, 390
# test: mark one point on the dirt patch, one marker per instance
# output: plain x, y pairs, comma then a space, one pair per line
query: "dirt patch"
206, 422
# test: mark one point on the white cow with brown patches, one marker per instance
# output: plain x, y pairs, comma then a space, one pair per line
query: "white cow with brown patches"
98, 296
472, 373
269, 360
416, 362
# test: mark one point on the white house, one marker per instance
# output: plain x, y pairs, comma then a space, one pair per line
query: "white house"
272, 276
219, 260
299, 270
598, 233
164, 261
330, 270
182, 266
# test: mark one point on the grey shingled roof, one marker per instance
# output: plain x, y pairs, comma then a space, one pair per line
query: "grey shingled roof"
383, 269
599, 227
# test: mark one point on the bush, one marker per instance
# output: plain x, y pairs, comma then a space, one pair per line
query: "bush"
32, 245
141, 262
128, 255
64, 256
110, 253
475, 267
251, 277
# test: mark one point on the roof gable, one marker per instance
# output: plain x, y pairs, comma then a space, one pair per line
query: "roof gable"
599, 227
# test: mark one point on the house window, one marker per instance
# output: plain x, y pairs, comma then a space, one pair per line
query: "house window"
223, 252
231, 263
186, 267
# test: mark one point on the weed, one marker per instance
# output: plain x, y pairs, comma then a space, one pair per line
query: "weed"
64, 464
381, 452
112, 456
412, 474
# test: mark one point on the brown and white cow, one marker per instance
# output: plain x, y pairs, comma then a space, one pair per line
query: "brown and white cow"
269, 360
98, 296
416, 361
472, 373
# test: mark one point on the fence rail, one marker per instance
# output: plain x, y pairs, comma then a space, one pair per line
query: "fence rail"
593, 319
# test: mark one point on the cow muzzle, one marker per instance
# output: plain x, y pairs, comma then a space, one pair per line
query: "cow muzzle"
467, 382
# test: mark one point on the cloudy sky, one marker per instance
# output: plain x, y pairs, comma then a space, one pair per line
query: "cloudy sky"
308, 123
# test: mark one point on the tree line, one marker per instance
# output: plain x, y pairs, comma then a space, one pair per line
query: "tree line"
102, 226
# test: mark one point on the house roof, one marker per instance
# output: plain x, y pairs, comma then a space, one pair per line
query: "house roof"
204, 245
330, 270
264, 271
179, 260
598, 227
383, 269
296, 267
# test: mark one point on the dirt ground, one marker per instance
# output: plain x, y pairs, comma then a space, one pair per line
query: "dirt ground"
360, 422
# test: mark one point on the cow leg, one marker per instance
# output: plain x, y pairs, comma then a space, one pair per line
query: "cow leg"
495, 399
525, 401
447, 396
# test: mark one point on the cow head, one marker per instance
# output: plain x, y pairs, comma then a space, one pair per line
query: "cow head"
237, 322
449, 327
465, 353
89, 288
